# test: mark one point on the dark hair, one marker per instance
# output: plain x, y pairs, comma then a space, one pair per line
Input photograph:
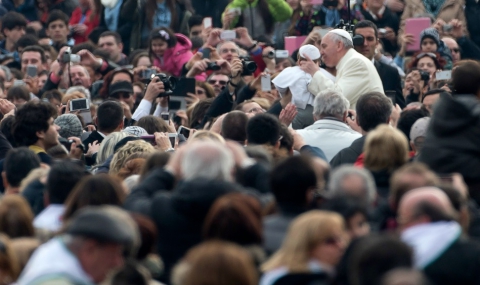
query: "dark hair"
152, 124
101, 189
148, 234
154, 161
86, 45
26, 41
53, 52
18, 92
408, 118
36, 48
115, 35
56, 15
155, 35
199, 112
18, 163
433, 92
16, 217
53, 94
366, 24
98, 52
195, 20
11, 20
16, 73
31, 118
6, 128
466, 78
373, 109
375, 255
235, 217
108, 78
234, 126
439, 61
287, 139
62, 178
151, 7
209, 92
435, 213
293, 191
138, 56
109, 116
263, 129
345, 206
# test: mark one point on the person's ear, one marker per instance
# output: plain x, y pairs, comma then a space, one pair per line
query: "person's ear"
120, 127
120, 45
277, 145
5, 181
40, 135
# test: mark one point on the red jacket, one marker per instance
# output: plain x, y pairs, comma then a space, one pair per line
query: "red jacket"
75, 19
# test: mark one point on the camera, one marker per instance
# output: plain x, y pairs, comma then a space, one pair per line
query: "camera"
447, 28
248, 66
69, 57
271, 54
424, 76
212, 66
169, 83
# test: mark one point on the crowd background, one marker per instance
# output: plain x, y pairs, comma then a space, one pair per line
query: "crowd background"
210, 150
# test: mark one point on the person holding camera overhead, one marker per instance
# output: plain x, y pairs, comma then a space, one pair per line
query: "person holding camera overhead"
169, 51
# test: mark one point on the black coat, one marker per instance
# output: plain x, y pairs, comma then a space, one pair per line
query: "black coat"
391, 81
459, 264
350, 154
389, 19
472, 11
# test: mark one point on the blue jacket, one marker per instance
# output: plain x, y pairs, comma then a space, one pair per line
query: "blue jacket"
27, 9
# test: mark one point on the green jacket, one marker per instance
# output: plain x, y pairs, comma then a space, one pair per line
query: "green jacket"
279, 9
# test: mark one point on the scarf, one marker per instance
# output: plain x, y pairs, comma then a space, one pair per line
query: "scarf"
429, 241
111, 12
433, 6
332, 17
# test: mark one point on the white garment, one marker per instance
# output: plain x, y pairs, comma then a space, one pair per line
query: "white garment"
272, 276
143, 110
50, 218
429, 241
297, 81
331, 136
53, 260
356, 75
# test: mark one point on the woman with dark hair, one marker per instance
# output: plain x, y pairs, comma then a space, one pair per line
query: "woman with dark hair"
161, 13
203, 90
85, 18
101, 189
117, 75
169, 51
153, 124
427, 61
258, 16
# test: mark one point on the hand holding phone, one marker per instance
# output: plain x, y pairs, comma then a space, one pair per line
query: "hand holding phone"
165, 116
266, 83
207, 22
228, 35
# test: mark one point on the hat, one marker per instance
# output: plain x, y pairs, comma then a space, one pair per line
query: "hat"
419, 128
104, 224
70, 126
309, 50
121, 86
343, 34
136, 131
430, 33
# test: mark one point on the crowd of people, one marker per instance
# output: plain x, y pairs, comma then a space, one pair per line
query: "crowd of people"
186, 142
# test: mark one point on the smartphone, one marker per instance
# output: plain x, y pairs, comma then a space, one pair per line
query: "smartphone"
86, 116
266, 83
79, 104
207, 22
206, 53
281, 53
447, 28
150, 139
165, 116
415, 26
184, 131
18, 83
391, 94
184, 86
173, 138
74, 58
146, 73
228, 35
31, 70
443, 75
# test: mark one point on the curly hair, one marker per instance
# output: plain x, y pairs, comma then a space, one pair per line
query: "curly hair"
31, 118
439, 61
121, 156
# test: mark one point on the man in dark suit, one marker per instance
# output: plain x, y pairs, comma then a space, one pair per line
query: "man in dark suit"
425, 217
109, 120
388, 74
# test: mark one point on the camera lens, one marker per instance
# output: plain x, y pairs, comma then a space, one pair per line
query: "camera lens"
271, 54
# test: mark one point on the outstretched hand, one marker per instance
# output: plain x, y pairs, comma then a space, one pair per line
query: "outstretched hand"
309, 66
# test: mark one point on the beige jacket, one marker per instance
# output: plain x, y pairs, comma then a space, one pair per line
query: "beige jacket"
451, 9
356, 75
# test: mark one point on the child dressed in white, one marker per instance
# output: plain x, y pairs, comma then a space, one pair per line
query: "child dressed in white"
295, 80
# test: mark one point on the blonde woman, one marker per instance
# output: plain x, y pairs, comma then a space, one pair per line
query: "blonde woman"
315, 243
121, 156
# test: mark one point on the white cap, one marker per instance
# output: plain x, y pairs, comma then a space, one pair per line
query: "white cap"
343, 34
309, 50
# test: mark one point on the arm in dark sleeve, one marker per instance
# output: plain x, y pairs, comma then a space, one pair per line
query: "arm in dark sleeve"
275, 109
245, 93
49, 85
313, 151
469, 49
140, 199
222, 104
399, 99
255, 177
412, 97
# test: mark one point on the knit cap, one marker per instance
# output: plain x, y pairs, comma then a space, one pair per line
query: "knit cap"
70, 126
430, 33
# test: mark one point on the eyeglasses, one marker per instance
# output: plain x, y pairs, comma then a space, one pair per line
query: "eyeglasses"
213, 82
119, 95
430, 54
257, 110
225, 50
455, 50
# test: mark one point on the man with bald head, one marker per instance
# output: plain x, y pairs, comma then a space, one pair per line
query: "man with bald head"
427, 224
453, 47
356, 75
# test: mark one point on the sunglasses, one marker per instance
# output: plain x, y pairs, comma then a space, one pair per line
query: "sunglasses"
213, 82
456, 50
430, 54
121, 95
232, 50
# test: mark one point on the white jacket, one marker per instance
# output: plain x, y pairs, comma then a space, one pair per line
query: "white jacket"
356, 75
331, 136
